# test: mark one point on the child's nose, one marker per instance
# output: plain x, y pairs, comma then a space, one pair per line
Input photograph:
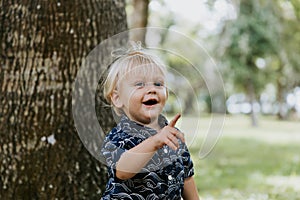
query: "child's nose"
151, 89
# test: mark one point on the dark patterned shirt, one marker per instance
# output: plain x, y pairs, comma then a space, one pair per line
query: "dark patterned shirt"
161, 178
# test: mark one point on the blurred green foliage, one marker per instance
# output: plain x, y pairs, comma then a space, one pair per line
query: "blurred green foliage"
256, 46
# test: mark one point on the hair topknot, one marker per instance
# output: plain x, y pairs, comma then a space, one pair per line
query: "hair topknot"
134, 48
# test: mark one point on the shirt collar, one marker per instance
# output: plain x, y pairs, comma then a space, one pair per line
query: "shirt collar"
138, 130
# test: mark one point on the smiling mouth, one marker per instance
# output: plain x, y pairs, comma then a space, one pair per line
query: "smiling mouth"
150, 102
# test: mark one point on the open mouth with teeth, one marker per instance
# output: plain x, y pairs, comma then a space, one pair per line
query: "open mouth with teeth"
150, 102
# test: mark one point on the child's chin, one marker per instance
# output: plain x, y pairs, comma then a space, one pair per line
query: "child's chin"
152, 114
152, 118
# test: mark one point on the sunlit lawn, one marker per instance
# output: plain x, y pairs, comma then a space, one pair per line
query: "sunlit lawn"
248, 163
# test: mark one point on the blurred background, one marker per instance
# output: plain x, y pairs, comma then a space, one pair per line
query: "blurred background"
255, 47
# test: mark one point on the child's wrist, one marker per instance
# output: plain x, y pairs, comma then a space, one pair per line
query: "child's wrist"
154, 143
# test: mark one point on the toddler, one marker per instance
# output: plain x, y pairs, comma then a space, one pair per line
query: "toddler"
146, 156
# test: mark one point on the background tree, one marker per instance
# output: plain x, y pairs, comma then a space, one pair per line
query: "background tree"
43, 44
286, 62
138, 18
252, 37
261, 36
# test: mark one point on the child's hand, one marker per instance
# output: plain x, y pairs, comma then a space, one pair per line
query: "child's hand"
169, 135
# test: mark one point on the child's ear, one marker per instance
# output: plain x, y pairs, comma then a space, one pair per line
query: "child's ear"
115, 98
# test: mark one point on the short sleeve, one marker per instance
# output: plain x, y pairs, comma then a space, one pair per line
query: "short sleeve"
188, 163
114, 145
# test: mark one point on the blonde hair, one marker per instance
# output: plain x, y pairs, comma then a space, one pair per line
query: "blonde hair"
126, 63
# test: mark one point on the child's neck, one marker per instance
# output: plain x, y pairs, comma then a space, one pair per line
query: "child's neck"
154, 125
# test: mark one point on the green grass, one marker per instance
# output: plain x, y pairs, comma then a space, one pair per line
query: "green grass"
250, 163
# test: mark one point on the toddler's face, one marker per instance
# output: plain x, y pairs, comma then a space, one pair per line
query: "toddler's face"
142, 94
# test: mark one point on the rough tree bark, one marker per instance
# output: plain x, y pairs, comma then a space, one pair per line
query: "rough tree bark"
42, 47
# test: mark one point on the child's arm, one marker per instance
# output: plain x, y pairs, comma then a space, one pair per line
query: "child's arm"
132, 161
190, 189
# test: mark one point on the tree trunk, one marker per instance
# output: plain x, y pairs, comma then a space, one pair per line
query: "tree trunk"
251, 94
43, 44
139, 19
283, 112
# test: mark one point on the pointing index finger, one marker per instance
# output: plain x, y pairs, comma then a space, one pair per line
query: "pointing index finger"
174, 120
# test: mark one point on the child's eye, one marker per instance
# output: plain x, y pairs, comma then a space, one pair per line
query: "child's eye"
140, 84
158, 84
